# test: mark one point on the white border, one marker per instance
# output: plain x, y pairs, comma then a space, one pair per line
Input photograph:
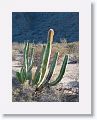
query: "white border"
84, 104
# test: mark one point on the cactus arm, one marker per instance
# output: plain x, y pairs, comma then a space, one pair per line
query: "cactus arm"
51, 70
26, 49
62, 71
46, 57
31, 60
52, 67
45, 60
37, 73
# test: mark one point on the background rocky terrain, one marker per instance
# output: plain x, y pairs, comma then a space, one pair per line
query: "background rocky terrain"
34, 26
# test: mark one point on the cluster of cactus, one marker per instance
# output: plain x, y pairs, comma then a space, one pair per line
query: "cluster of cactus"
42, 76
25, 72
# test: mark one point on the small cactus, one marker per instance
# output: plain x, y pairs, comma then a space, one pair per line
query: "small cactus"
42, 76
25, 72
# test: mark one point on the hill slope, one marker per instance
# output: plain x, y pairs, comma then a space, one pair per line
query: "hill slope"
34, 26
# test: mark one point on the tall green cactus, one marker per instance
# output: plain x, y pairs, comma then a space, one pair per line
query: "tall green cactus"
42, 76
46, 57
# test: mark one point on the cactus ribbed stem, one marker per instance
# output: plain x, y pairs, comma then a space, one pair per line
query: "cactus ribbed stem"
26, 49
31, 60
51, 70
37, 73
52, 67
46, 57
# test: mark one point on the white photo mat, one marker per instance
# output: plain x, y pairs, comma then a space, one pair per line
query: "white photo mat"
84, 104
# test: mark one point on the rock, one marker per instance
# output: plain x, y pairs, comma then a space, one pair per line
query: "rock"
73, 59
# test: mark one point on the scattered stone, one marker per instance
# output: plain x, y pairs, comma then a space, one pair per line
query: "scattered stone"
73, 59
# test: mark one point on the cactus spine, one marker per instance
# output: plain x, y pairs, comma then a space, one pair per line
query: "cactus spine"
42, 76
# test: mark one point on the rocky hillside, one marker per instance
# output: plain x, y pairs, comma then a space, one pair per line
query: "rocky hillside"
34, 26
